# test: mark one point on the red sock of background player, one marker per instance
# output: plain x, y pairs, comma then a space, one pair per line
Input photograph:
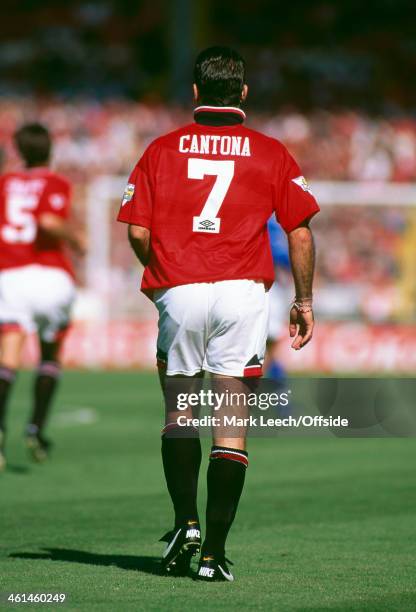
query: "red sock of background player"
44, 388
181, 462
225, 479
7, 378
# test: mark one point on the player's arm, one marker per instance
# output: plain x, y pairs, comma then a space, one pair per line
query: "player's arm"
57, 227
137, 205
139, 238
295, 206
54, 214
302, 260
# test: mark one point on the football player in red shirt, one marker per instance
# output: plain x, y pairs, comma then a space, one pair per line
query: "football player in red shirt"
36, 277
197, 205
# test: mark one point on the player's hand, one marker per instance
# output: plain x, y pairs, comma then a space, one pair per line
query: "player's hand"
79, 243
300, 327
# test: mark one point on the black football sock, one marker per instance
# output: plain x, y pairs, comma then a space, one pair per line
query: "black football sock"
44, 387
181, 462
7, 378
225, 479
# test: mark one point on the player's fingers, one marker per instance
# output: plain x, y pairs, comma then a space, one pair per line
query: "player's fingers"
306, 328
82, 245
297, 342
308, 335
293, 317
302, 334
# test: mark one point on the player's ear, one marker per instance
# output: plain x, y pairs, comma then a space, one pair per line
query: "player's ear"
244, 93
196, 92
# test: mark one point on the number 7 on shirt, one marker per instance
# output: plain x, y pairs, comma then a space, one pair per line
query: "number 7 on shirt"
208, 221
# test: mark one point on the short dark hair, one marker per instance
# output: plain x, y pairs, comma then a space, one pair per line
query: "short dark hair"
220, 74
33, 143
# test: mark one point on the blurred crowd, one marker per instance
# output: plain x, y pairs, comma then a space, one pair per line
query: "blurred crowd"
93, 137
358, 247
361, 261
78, 66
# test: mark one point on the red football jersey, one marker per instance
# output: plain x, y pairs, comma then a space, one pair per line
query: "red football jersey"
206, 192
24, 196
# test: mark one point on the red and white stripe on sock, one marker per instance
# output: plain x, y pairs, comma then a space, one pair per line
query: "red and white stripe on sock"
49, 368
7, 374
232, 454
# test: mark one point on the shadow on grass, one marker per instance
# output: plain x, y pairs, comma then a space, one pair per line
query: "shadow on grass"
17, 469
148, 565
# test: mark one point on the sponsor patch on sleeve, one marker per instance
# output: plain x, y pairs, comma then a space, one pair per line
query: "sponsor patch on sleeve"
128, 193
57, 201
303, 184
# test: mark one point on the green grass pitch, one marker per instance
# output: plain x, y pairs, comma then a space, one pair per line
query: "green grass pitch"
324, 523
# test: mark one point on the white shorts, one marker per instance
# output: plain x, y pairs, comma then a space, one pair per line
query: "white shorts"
36, 299
219, 327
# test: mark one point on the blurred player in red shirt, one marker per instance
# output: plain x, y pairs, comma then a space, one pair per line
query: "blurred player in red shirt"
197, 205
36, 277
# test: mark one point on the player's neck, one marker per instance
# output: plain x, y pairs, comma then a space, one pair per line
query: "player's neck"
31, 168
207, 114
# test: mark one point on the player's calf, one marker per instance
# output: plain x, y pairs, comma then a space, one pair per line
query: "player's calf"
7, 378
45, 384
226, 475
2, 453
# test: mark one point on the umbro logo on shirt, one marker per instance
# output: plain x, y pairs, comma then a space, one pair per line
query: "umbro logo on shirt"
206, 224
